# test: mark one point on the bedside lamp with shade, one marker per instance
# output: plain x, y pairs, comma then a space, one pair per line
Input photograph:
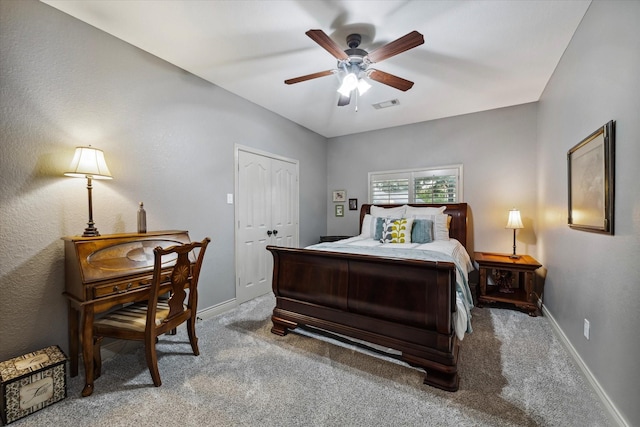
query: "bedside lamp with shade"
514, 223
89, 162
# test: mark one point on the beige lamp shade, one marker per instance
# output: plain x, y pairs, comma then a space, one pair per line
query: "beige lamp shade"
514, 221
89, 162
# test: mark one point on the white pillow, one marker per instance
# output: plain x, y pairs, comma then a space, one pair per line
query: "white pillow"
427, 210
440, 225
368, 227
397, 212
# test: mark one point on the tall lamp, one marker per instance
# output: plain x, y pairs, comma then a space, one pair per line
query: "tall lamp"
515, 223
88, 162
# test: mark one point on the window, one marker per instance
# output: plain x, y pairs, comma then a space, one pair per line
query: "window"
427, 185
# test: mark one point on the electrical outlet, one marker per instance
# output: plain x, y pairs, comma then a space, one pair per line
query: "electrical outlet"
229, 198
586, 328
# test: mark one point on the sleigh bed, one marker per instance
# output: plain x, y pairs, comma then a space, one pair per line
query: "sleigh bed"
418, 306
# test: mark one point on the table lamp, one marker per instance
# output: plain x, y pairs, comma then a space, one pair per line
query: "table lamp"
515, 223
88, 162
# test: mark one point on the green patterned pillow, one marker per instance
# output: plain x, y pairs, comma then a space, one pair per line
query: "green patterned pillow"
396, 230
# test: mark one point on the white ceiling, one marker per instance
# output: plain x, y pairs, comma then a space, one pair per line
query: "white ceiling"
477, 55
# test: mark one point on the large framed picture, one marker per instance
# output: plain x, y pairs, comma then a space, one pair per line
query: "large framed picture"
591, 166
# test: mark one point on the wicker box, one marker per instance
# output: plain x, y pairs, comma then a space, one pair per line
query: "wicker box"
32, 382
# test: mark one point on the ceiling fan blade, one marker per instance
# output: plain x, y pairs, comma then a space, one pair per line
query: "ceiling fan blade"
344, 100
395, 47
390, 80
327, 43
309, 77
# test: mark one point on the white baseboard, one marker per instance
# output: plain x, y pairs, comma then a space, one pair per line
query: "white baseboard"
217, 309
614, 414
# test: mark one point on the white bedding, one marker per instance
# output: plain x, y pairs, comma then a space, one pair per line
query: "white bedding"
440, 250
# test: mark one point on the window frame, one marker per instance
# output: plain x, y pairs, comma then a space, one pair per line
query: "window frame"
412, 174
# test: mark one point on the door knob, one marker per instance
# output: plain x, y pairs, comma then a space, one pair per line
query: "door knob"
275, 232
269, 233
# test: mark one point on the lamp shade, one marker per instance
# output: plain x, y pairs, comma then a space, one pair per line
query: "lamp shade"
514, 221
89, 162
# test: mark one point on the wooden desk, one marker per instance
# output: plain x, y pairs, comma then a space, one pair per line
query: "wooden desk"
103, 272
525, 296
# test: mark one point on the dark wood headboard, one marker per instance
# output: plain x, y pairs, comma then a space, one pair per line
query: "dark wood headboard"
458, 212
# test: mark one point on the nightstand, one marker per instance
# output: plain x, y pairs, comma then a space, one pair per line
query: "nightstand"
507, 280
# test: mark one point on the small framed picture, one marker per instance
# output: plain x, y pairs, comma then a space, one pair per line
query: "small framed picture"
339, 210
339, 195
353, 204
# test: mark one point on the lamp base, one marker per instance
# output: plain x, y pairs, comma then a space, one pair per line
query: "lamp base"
514, 256
90, 231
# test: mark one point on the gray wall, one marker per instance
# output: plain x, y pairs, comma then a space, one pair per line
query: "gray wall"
168, 137
517, 157
590, 275
497, 149
64, 83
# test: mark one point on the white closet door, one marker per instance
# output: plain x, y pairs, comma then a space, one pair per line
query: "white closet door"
284, 206
267, 214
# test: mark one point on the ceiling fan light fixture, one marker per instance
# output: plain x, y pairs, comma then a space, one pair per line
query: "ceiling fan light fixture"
363, 86
349, 83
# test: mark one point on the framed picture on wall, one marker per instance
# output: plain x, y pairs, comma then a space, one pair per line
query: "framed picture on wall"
339, 196
353, 204
339, 210
591, 181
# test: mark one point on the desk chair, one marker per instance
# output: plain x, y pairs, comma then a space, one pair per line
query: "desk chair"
146, 320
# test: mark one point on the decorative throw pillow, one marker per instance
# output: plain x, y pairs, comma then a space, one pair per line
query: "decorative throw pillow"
440, 229
396, 231
383, 229
377, 233
422, 231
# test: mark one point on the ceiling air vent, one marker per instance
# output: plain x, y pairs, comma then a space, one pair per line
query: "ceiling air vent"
386, 104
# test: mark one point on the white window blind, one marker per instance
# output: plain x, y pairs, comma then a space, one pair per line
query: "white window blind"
390, 188
428, 185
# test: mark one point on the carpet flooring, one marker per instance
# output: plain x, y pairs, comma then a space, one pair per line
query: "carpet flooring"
514, 372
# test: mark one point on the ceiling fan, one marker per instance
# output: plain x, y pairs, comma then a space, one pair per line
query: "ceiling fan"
354, 63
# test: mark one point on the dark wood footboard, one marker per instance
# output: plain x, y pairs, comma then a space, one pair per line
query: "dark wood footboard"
405, 305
